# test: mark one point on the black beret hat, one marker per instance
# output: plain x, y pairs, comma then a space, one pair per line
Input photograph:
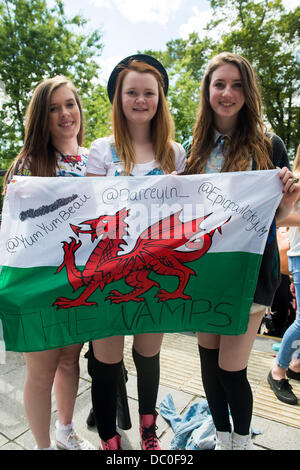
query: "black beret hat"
111, 86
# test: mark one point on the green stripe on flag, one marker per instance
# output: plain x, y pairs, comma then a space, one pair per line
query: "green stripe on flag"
221, 296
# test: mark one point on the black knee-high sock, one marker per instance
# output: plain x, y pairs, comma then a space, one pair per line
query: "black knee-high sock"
148, 371
239, 397
214, 391
105, 380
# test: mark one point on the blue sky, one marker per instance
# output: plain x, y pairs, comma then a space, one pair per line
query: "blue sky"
131, 25
128, 26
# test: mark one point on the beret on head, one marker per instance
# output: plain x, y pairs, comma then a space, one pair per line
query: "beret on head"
111, 86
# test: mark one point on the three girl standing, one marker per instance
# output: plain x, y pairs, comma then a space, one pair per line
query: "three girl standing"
229, 136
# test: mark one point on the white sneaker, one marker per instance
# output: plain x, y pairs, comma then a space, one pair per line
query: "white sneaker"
68, 439
223, 440
242, 442
52, 447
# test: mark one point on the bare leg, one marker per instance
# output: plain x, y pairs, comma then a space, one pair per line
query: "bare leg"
59, 366
235, 350
148, 344
66, 382
109, 350
41, 368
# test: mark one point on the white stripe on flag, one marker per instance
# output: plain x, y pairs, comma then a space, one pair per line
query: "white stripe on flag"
38, 212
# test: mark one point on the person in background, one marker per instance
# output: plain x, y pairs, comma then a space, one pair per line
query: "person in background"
52, 147
229, 135
287, 364
141, 144
282, 312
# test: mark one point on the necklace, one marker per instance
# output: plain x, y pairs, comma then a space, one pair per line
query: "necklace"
67, 153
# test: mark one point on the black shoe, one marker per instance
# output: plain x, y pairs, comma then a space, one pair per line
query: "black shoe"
91, 421
293, 375
282, 390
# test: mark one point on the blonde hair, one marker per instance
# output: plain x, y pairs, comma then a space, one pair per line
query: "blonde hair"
38, 153
248, 140
162, 125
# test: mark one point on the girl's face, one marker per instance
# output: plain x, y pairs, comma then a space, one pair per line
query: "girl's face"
139, 97
226, 96
64, 115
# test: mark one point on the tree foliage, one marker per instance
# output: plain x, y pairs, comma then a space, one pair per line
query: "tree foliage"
262, 31
38, 42
269, 37
97, 114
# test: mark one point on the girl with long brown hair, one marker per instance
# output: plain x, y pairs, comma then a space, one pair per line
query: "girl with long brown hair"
52, 147
229, 135
141, 144
44, 152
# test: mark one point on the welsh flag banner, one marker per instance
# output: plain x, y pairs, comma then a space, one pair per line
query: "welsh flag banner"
87, 258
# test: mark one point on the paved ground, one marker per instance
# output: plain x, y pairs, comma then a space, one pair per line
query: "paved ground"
15, 434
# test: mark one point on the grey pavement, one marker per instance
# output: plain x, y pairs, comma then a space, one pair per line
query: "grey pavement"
16, 435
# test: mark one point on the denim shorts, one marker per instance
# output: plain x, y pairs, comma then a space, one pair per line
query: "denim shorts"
255, 308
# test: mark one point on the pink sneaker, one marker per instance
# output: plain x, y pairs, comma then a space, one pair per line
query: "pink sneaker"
149, 439
112, 444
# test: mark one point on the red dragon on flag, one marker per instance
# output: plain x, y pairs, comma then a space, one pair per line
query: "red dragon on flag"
155, 250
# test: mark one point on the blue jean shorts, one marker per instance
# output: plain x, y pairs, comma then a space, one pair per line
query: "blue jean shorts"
255, 308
